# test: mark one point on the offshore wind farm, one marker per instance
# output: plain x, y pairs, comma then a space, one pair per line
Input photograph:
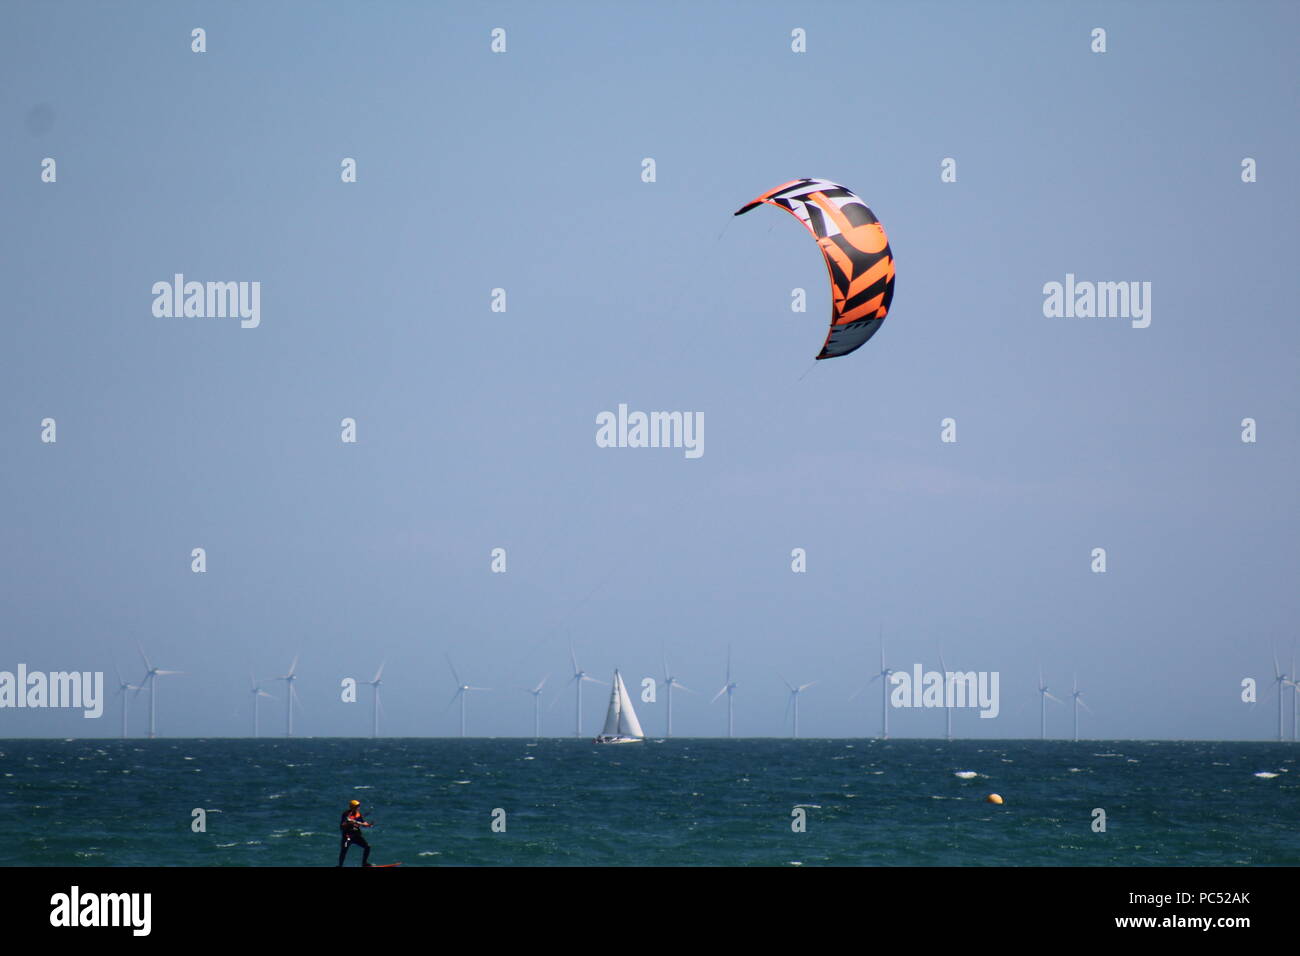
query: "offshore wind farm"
901, 691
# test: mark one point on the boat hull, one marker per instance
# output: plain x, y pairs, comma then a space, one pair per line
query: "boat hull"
617, 740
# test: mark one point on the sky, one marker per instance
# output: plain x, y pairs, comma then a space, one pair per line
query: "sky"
523, 171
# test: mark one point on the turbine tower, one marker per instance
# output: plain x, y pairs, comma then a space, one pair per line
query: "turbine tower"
670, 682
122, 688
290, 696
881, 675
729, 688
1295, 698
1042, 705
462, 689
1281, 680
1076, 696
374, 717
579, 676
151, 678
794, 698
256, 692
537, 705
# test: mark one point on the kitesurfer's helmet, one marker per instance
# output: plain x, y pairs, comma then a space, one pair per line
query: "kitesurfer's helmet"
354, 803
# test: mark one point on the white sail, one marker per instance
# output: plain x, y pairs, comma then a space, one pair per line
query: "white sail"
611, 715
627, 722
621, 725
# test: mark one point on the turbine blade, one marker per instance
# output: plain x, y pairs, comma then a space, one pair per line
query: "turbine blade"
719, 693
453, 670
147, 665
379, 673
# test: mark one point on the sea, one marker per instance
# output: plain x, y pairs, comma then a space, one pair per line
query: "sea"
675, 802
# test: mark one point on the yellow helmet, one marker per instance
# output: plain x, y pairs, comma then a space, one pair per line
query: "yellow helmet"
354, 803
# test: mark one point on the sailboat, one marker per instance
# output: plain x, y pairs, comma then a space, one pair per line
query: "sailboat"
621, 725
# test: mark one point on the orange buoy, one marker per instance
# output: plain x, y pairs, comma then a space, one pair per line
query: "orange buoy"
994, 798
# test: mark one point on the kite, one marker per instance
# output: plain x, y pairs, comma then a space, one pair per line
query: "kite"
857, 253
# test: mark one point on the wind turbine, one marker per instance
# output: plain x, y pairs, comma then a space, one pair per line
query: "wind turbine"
729, 688
461, 690
794, 698
1042, 704
579, 675
151, 678
122, 688
290, 696
256, 693
537, 704
881, 675
374, 718
1076, 696
1295, 685
1281, 680
670, 682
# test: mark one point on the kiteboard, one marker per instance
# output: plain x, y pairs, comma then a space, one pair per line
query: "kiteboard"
385, 864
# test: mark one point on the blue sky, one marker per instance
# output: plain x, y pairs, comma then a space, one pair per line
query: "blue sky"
522, 171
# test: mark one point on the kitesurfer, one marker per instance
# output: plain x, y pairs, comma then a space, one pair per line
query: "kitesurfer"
351, 823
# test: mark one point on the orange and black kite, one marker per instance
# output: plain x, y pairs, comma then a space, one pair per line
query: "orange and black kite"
857, 257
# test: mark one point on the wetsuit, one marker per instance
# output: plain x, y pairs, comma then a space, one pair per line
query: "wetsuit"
350, 824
